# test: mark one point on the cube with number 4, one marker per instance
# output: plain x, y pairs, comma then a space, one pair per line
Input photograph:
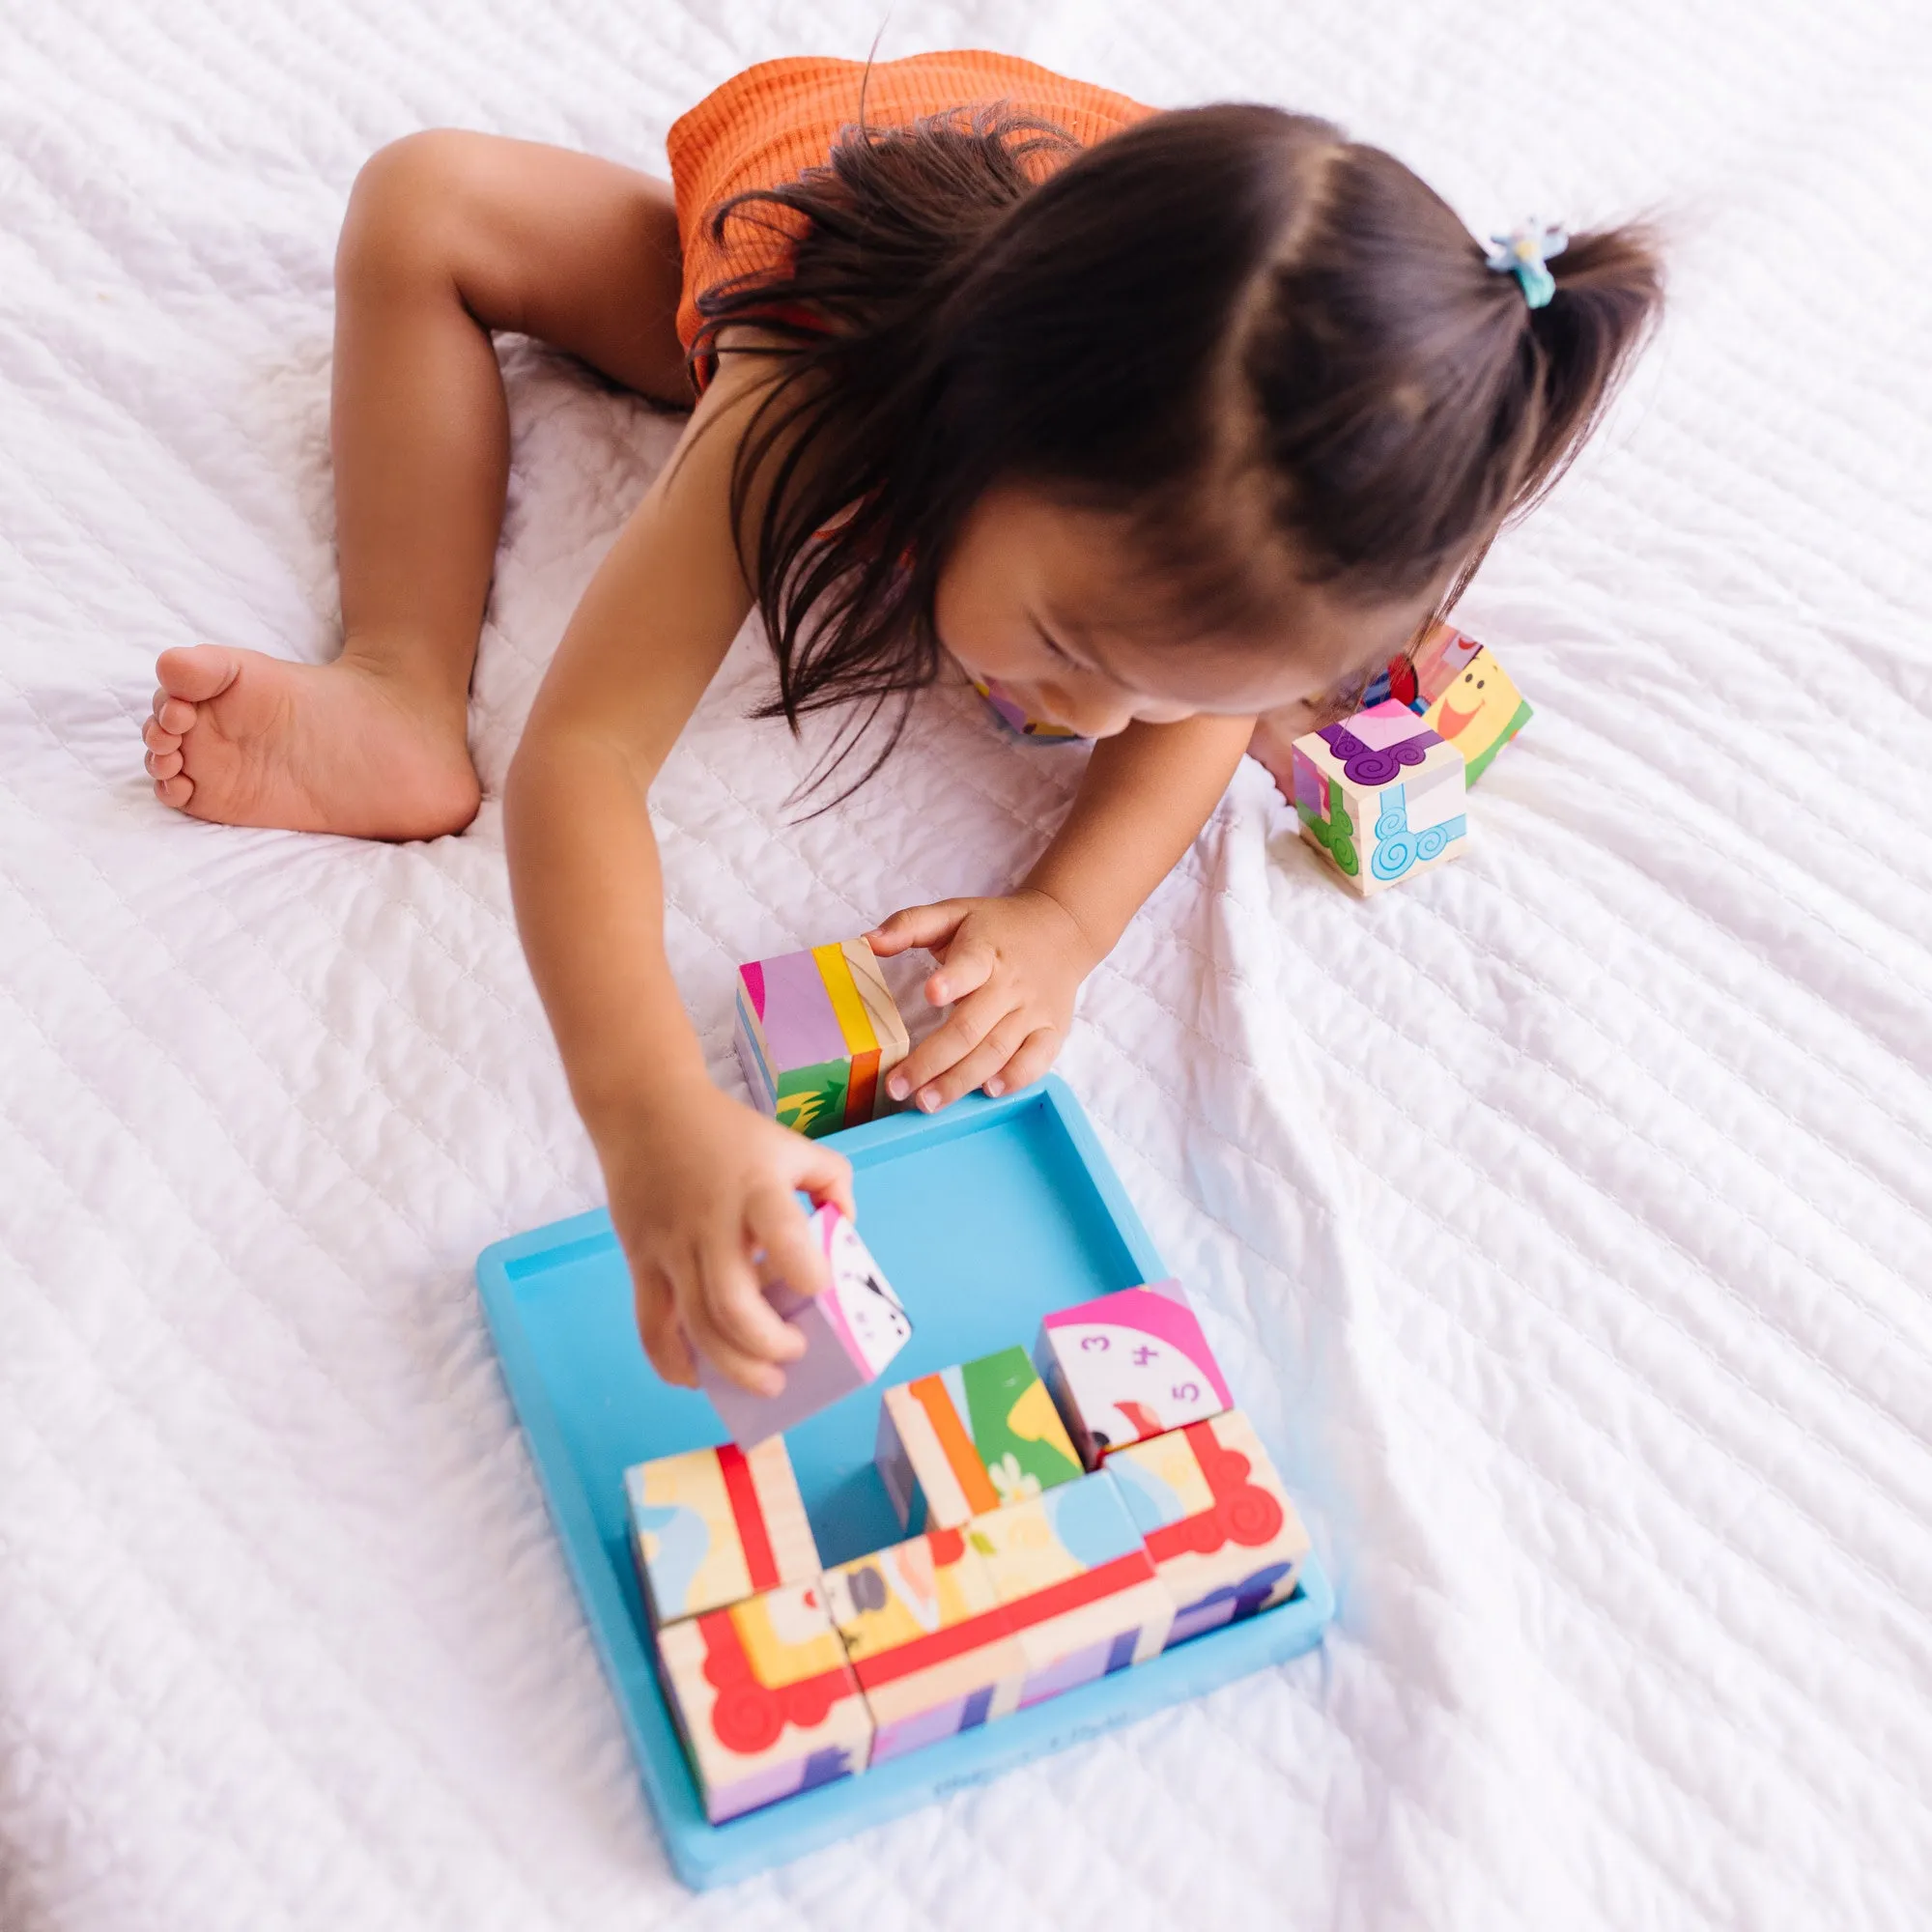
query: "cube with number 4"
1129, 1365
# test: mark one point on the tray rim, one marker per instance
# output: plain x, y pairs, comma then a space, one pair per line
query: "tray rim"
704, 1854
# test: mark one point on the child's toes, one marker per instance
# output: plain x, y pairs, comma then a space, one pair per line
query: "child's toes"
158, 738
175, 791
164, 764
173, 714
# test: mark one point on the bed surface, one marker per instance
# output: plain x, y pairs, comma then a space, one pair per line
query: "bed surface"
1572, 1202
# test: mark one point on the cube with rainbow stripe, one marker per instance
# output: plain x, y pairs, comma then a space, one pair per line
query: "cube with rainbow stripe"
1223, 1535
970, 1439
817, 1034
710, 1527
764, 1699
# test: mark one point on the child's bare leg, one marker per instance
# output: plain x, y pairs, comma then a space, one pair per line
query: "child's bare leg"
447, 237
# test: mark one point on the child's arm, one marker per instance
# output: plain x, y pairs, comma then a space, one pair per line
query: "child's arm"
1015, 964
695, 1179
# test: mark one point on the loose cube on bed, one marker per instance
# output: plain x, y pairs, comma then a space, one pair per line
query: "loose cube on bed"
817, 1034
712, 1526
852, 1329
928, 1640
1078, 1586
1381, 796
1216, 1520
968, 1439
1459, 689
1128, 1365
764, 1699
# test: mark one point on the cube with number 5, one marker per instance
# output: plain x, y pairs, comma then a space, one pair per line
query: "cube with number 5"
1128, 1366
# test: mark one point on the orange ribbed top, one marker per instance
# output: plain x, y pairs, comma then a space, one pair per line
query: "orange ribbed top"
766, 125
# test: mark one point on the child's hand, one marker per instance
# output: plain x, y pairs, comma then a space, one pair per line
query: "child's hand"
696, 1187
1012, 967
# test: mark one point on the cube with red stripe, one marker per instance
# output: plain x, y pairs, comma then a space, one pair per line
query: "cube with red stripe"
1217, 1521
764, 1699
1080, 1593
927, 1639
817, 1034
1128, 1365
712, 1526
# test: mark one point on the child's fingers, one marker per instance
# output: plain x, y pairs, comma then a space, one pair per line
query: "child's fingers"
659, 1330
735, 1302
825, 1175
754, 1372
777, 1224
1037, 1053
917, 925
967, 967
978, 1066
973, 1019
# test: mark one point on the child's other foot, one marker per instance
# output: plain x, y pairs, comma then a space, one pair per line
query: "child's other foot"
245, 739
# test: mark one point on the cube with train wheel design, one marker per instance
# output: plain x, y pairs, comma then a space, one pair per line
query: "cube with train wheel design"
1074, 1578
817, 1034
1381, 796
970, 1439
1215, 1520
852, 1327
928, 1640
764, 1699
712, 1526
1128, 1365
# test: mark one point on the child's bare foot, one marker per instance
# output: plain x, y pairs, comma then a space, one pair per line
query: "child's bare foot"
246, 739
1272, 745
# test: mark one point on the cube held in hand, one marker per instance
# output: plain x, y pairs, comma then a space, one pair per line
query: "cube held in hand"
1077, 1583
764, 1699
1216, 1520
1381, 795
1129, 1365
970, 1439
817, 1034
712, 1526
928, 1640
852, 1327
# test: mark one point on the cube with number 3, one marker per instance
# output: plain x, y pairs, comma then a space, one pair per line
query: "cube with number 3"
1129, 1365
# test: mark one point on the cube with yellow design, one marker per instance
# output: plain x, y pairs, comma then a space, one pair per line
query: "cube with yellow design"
1215, 1519
1081, 1595
970, 1439
817, 1034
711, 1526
764, 1699
1459, 691
928, 1639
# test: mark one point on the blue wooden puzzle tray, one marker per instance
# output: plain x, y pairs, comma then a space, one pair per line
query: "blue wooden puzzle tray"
985, 1218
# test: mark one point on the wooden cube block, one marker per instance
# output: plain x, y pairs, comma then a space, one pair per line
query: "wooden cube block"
1458, 689
1129, 1365
1381, 795
712, 1526
970, 1439
1478, 711
764, 1699
928, 1640
1014, 716
817, 1034
1217, 1521
852, 1329
1077, 1583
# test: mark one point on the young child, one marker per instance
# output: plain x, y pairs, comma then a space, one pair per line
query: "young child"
1167, 423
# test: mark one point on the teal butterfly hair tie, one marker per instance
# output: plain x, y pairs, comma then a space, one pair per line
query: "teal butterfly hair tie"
1524, 252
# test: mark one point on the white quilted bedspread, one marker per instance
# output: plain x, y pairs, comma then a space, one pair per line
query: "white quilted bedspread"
1566, 1215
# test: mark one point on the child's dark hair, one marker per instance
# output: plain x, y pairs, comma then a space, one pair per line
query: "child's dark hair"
1263, 345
